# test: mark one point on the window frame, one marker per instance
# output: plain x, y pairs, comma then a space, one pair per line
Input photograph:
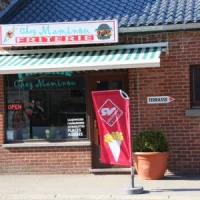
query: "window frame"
194, 104
43, 141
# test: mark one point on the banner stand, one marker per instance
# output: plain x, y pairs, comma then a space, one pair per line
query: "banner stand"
113, 118
132, 189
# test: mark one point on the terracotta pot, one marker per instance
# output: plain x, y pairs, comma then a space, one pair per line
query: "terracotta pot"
150, 165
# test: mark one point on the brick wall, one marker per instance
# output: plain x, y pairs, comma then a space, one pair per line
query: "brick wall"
171, 79
45, 160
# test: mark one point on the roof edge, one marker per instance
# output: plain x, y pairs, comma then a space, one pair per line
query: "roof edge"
172, 27
6, 10
11, 10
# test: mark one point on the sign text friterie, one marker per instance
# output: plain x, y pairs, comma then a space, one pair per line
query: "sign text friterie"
104, 31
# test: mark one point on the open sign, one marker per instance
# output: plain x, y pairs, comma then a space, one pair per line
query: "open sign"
14, 106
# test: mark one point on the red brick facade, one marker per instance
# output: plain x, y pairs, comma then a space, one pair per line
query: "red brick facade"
45, 160
171, 79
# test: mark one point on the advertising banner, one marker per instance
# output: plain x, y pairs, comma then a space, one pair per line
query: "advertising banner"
60, 33
112, 113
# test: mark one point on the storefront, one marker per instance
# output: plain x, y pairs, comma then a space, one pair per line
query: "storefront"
48, 91
47, 121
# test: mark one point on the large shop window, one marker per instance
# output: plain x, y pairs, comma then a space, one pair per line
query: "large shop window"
195, 86
46, 106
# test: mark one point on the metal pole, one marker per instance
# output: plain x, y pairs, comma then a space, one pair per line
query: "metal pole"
132, 177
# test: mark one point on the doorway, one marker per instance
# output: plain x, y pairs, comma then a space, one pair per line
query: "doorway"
97, 81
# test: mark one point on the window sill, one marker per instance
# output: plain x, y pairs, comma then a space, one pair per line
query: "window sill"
192, 112
48, 144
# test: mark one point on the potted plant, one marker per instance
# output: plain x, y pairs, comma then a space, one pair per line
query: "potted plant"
150, 154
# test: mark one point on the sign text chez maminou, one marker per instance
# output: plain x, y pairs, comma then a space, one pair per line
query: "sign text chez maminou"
159, 99
63, 33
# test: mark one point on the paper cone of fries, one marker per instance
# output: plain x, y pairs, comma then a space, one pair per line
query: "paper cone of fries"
114, 141
9, 34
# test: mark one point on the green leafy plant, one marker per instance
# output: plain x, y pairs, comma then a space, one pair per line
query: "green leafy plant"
150, 141
51, 132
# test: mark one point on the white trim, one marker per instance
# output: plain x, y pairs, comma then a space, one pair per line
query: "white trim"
46, 144
102, 170
80, 67
141, 54
162, 28
149, 53
114, 47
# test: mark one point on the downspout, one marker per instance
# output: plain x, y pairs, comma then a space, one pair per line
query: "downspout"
138, 98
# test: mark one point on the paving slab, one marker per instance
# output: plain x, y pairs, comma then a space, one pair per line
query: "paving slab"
96, 187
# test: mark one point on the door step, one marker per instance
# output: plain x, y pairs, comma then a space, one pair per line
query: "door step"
103, 170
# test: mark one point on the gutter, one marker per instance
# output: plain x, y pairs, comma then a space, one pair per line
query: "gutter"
75, 49
161, 28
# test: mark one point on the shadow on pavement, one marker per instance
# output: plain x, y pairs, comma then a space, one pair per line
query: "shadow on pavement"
176, 190
193, 177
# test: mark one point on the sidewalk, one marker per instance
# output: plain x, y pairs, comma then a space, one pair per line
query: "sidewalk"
96, 187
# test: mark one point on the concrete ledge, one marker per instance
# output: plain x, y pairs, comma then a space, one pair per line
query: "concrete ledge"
110, 170
47, 144
192, 112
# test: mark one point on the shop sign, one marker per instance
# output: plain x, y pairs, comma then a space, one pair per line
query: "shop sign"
159, 99
65, 33
14, 106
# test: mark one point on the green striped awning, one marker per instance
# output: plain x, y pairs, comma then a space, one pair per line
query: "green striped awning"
79, 60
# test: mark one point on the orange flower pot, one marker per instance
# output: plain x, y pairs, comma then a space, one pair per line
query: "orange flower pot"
150, 165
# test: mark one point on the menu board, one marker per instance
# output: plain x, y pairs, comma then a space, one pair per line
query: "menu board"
76, 125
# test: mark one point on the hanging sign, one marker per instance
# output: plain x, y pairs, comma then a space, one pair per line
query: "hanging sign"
105, 31
159, 99
112, 113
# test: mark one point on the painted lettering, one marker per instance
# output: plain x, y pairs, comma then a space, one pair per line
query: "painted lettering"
20, 39
21, 84
51, 39
157, 99
48, 31
42, 84
67, 73
107, 111
27, 31
45, 31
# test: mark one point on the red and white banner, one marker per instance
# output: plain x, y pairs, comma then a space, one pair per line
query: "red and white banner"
112, 113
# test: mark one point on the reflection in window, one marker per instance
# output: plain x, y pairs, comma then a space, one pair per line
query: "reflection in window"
50, 106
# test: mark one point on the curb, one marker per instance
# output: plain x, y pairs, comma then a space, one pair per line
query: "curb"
93, 197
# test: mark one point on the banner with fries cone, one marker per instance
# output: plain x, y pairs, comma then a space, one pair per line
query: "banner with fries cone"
112, 113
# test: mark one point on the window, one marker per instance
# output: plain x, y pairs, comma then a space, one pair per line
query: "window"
195, 86
46, 106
